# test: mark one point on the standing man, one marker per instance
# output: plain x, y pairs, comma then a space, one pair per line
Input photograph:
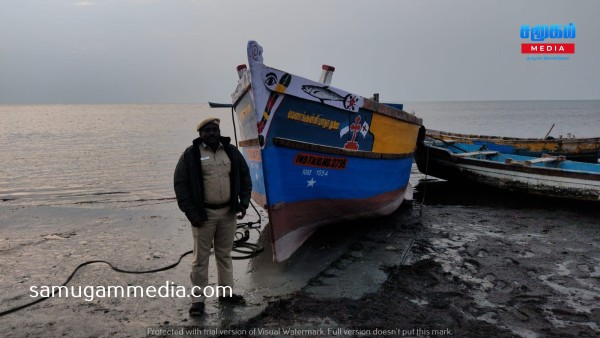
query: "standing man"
212, 183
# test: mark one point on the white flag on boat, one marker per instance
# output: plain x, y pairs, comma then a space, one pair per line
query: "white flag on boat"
365, 129
345, 128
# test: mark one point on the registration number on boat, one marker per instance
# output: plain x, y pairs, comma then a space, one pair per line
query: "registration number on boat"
309, 172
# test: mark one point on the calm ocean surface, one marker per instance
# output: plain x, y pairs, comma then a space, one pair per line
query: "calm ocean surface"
94, 155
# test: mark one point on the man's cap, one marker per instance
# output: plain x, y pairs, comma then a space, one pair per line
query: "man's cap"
207, 121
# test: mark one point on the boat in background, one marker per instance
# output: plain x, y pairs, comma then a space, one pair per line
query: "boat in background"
318, 154
575, 149
547, 175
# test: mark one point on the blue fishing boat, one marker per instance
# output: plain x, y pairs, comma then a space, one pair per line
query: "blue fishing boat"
573, 148
318, 154
547, 175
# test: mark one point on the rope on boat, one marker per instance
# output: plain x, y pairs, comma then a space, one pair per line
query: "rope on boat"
240, 245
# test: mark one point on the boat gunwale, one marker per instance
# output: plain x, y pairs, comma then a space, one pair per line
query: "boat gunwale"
432, 132
294, 144
384, 109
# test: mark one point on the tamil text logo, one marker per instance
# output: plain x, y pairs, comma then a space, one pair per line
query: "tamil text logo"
556, 33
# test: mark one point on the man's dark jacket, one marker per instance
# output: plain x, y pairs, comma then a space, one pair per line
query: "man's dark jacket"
189, 187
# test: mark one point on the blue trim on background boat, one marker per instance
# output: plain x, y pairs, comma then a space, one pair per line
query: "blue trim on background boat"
399, 106
501, 157
507, 149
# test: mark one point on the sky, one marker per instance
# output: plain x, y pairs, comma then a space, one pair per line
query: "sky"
186, 51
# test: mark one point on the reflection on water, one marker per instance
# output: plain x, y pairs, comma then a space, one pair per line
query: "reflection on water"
64, 154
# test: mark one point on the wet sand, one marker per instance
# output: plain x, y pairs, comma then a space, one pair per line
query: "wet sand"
468, 262
483, 263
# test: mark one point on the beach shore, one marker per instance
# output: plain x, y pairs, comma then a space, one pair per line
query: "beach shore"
467, 262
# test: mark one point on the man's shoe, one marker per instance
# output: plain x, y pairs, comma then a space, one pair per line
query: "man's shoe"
233, 299
197, 309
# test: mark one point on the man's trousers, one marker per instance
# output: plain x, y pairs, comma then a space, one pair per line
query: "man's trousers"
219, 230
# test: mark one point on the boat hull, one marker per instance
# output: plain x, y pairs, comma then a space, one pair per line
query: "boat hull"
299, 220
574, 149
561, 179
319, 155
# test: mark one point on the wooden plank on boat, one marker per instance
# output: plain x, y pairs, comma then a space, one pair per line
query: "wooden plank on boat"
545, 158
476, 153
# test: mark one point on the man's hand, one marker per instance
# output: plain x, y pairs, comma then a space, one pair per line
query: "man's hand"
241, 213
197, 223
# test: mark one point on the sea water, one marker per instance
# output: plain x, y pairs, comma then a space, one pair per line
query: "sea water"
511, 118
94, 155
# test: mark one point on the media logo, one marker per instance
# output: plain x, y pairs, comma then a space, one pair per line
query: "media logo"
540, 33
